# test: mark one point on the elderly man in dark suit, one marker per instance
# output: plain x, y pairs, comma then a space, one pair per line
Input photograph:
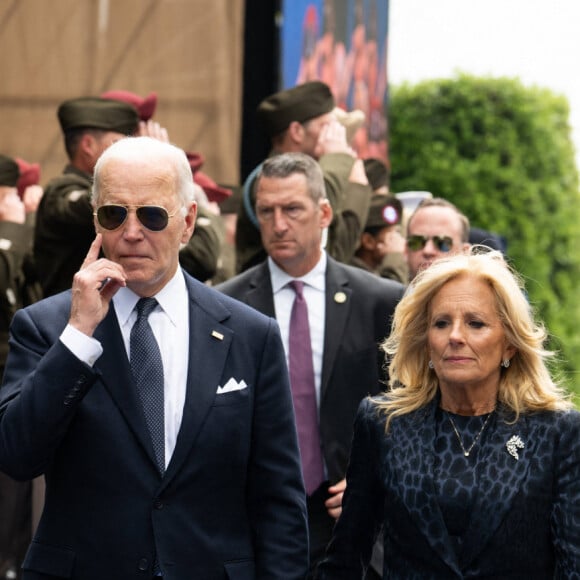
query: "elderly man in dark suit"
348, 314
158, 410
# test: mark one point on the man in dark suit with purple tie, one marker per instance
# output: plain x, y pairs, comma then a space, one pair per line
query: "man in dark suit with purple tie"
348, 312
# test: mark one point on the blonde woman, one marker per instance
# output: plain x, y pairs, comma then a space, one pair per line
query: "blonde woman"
471, 463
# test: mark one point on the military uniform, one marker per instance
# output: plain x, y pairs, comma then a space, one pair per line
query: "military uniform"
15, 497
14, 246
64, 221
64, 229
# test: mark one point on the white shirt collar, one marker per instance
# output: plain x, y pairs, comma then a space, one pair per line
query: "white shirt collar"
314, 278
125, 299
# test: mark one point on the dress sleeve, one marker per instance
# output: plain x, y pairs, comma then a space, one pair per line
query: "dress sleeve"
350, 549
566, 509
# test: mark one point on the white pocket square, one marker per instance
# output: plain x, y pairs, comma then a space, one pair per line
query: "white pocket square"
232, 385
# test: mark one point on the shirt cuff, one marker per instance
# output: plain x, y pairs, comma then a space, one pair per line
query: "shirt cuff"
85, 348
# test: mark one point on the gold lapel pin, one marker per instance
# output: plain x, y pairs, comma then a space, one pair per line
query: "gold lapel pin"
340, 297
217, 334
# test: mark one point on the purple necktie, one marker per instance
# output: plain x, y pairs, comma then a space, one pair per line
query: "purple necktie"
303, 391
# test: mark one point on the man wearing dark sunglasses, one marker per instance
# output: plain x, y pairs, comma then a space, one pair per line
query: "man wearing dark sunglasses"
64, 224
434, 230
183, 463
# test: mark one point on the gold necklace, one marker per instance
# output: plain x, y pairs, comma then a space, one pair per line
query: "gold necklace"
466, 452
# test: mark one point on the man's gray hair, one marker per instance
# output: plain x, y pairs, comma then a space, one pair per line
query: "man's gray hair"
145, 149
287, 164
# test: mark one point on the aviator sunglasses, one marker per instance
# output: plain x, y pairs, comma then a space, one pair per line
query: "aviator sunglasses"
418, 242
153, 217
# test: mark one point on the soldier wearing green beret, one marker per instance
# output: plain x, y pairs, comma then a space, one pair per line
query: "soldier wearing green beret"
64, 224
302, 119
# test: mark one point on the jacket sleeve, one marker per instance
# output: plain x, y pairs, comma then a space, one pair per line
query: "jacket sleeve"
276, 496
349, 551
42, 388
566, 507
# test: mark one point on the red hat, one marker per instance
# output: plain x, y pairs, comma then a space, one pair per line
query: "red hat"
213, 191
145, 106
29, 174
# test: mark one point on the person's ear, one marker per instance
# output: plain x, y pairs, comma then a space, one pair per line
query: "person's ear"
368, 241
88, 145
325, 213
190, 218
508, 352
295, 131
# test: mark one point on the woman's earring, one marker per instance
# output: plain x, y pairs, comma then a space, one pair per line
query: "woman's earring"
432, 366
505, 363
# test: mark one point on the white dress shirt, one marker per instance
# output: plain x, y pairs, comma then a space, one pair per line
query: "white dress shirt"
170, 324
314, 294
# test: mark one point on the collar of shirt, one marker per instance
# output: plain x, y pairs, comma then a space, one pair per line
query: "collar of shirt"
315, 278
169, 298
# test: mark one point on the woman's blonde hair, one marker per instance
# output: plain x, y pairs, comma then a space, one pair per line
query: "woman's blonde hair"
525, 386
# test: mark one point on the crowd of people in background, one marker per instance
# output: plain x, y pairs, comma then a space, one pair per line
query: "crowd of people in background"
315, 239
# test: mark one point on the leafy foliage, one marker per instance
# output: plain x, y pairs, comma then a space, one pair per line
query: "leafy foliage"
503, 154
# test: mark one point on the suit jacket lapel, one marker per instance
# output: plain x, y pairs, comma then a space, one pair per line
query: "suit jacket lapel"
115, 372
338, 306
209, 344
499, 480
260, 295
416, 457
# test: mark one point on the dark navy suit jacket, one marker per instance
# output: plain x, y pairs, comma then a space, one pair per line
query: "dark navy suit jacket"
231, 503
526, 518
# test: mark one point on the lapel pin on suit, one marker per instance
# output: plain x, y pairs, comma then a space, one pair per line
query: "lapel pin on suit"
217, 334
514, 443
340, 297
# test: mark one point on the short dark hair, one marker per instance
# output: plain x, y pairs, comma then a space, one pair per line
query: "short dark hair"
72, 138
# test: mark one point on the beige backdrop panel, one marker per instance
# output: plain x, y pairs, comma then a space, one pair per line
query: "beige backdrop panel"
187, 51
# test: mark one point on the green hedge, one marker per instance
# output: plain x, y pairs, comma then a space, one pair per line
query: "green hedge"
502, 152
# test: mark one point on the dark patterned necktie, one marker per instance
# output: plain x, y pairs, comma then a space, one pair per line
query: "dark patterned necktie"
303, 391
147, 369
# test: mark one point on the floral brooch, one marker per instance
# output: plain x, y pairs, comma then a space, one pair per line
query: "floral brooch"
514, 443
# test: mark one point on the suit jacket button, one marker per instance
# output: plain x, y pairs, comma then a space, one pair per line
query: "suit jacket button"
158, 504
143, 564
